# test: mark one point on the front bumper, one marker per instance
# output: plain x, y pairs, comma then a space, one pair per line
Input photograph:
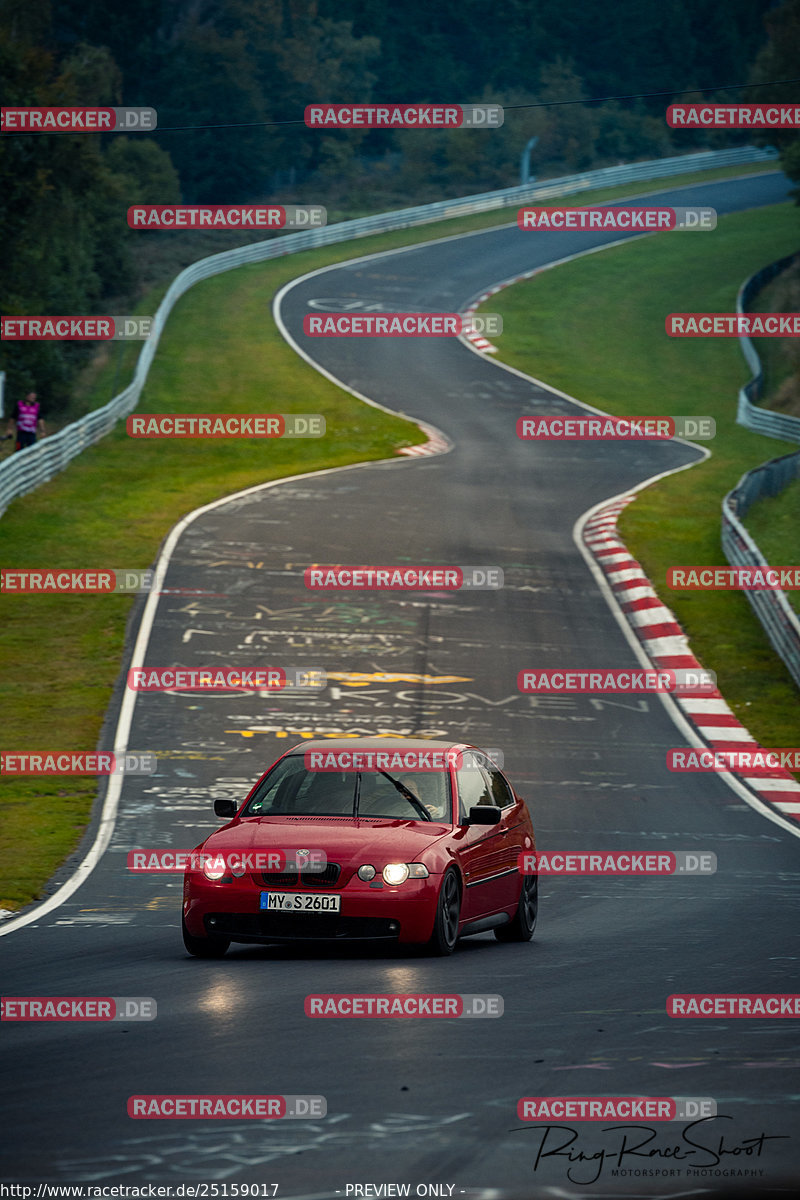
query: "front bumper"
404, 914
299, 927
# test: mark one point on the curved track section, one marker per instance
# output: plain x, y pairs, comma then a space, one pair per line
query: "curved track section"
415, 1101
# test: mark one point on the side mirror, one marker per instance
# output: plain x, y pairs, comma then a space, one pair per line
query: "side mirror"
484, 814
226, 807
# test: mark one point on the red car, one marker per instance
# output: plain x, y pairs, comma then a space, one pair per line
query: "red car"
363, 838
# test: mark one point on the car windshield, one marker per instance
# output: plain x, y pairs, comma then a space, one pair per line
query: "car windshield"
290, 789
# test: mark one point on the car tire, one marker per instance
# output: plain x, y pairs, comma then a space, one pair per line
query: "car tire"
207, 947
448, 908
520, 928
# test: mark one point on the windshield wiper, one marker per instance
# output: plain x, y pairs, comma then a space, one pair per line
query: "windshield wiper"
409, 795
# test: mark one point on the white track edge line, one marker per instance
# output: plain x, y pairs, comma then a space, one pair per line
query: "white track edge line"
685, 727
111, 802
679, 720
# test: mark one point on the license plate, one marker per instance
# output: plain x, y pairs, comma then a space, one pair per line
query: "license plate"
299, 902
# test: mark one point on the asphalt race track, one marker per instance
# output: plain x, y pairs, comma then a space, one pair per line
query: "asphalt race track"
419, 1101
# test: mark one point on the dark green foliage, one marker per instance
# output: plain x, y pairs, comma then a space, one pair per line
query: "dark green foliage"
779, 60
63, 198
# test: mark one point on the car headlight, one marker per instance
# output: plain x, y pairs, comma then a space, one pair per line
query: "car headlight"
224, 866
236, 866
396, 873
214, 868
366, 872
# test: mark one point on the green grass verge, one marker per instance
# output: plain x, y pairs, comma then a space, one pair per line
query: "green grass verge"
780, 357
114, 505
595, 329
112, 508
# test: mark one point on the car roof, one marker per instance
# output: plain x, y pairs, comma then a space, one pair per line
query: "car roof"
376, 743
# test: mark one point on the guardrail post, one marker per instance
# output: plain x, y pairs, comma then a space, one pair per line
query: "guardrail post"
525, 164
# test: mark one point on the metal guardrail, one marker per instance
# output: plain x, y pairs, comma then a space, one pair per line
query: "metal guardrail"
748, 413
780, 621
27, 469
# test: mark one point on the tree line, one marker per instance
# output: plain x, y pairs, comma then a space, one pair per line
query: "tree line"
256, 64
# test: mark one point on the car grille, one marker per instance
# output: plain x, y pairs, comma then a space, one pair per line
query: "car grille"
276, 926
303, 879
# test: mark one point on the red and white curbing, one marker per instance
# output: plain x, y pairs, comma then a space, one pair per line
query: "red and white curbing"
477, 339
666, 644
481, 343
437, 443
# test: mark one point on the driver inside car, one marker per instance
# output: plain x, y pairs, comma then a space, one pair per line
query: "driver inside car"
380, 798
429, 790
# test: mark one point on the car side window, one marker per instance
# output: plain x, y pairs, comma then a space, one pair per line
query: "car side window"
277, 789
474, 788
503, 796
